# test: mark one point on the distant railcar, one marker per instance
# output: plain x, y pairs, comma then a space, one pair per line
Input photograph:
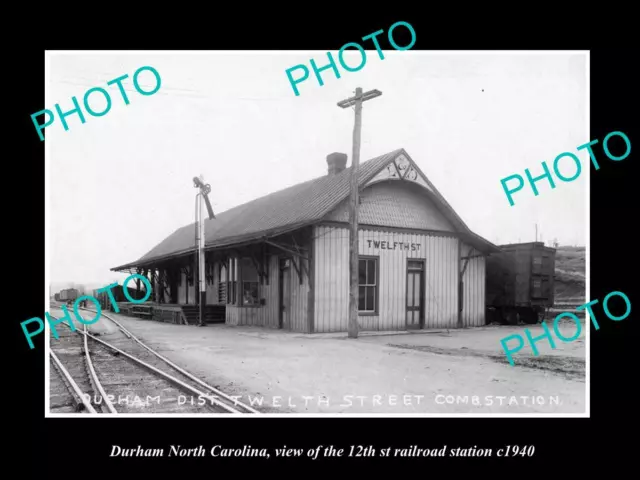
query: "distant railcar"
69, 295
520, 283
118, 296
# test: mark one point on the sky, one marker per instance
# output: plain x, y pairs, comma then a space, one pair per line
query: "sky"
120, 183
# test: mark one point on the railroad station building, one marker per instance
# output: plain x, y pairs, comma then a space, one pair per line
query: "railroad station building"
282, 260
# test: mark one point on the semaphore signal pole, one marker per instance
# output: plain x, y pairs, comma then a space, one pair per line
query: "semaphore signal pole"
353, 205
203, 194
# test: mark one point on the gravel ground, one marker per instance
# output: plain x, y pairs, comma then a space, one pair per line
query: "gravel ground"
411, 373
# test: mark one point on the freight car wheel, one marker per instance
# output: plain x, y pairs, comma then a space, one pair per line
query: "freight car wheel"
541, 314
529, 316
510, 316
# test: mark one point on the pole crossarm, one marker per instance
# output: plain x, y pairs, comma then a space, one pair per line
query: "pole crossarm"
349, 102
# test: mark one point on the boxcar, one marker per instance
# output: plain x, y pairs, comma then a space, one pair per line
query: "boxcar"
520, 282
68, 295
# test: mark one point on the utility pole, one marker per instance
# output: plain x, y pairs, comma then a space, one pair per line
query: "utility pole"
536, 232
203, 194
353, 205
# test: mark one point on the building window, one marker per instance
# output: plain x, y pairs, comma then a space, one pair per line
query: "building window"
249, 278
368, 285
415, 265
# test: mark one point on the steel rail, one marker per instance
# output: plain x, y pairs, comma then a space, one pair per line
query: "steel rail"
73, 384
181, 370
94, 376
160, 372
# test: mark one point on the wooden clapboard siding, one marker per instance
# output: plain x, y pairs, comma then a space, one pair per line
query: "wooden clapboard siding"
249, 316
440, 288
473, 298
263, 315
331, 247
299, 297
232, 315
442, 275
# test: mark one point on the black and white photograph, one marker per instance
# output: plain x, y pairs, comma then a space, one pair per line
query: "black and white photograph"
275, 233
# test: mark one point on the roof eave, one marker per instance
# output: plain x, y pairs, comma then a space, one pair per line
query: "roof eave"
482, 244
228, 242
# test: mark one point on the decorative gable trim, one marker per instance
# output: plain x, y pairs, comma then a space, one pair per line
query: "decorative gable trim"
401, 168
388, 172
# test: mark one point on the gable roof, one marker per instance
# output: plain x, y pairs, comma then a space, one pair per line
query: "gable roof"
290, 209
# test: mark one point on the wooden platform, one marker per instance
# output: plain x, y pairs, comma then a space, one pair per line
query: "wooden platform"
173, 313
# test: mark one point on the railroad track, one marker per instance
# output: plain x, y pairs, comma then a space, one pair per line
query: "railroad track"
110, 372
76, 378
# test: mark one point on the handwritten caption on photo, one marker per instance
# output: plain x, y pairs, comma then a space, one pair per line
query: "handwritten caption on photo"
83, 298
116, 81
332, 64
547, 333
547, 173
323, 451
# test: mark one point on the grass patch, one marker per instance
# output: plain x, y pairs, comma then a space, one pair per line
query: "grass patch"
569, 367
